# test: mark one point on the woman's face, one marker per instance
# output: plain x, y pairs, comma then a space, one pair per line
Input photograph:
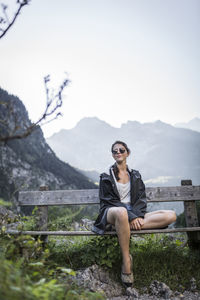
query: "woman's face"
119, 153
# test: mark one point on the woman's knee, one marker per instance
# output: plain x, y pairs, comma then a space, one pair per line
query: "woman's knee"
117, 214
170, 216
121, 214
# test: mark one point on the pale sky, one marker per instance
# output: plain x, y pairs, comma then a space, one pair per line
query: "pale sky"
126, 59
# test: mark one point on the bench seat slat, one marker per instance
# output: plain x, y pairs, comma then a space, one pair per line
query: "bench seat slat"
62, 197
89, 233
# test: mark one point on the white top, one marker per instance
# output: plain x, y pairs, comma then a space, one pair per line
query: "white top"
123, 189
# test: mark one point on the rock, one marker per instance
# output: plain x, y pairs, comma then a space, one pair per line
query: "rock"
96, 279
14, 226
28, 163
188, 295
133, 293
6, 216
87, 224
76, 226
160, 289
144, 290
193, 285
122, 297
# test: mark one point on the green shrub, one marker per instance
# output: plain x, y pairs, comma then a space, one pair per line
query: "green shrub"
166, 259
23, 246
155, 257
76, 212
15, 285
34, 276
78, 252
28, 268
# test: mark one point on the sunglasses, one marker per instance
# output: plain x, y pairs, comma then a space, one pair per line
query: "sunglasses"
120, 150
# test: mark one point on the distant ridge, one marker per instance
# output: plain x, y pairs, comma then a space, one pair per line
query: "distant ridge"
163, 153
193, 124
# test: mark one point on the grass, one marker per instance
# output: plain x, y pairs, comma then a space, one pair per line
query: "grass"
29, 270
155, 257
159, 258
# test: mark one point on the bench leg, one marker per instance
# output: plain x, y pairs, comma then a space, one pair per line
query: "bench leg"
192, 221
42, 221
191, 218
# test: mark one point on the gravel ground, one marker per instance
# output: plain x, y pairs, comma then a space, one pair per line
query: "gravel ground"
187, 295
96, 279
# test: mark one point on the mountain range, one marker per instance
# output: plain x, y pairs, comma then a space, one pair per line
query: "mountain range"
193, 124
164, 154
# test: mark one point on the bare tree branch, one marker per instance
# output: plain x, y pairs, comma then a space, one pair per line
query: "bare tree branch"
5, 19
11, 125
51, 112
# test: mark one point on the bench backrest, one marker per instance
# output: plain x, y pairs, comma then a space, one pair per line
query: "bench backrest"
64, 197
187, 193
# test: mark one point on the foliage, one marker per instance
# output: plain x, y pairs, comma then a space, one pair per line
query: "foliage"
59, 218
24, 246
62, 218
15, 286
6, 216
180, 221
29, 223
73, 212
83, 252
27, 272
155, 257
165, 259
39, 271
5, 203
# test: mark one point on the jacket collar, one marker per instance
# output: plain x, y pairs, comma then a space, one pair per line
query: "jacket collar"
108, 175
134, 175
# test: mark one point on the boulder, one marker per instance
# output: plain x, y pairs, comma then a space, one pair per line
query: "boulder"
160, 289
96, 279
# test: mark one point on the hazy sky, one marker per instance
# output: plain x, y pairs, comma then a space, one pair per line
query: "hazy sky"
126, 59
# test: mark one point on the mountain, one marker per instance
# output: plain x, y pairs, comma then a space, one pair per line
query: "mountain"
92, 174
29, 163
193, 124
164, 154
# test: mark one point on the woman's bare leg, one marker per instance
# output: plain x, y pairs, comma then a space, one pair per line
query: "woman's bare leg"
159, 219
118, 216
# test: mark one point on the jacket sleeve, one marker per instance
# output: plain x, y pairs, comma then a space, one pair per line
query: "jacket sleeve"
106, 194
140, 205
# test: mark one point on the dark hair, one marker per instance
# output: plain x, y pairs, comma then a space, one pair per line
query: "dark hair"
121, 143
115, 168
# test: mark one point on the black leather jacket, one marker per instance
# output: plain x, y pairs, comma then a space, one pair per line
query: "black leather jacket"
109, 197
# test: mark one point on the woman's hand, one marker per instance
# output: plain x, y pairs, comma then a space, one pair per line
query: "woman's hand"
137, 223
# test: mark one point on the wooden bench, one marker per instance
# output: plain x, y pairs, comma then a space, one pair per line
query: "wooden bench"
43, 198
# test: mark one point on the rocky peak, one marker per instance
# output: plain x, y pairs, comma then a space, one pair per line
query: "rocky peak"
29, 162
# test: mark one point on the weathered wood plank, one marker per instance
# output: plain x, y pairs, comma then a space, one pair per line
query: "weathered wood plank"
58, 197
62, 197
191, 218
191, 213
88, 233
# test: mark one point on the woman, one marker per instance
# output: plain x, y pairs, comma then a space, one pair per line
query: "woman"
123, 204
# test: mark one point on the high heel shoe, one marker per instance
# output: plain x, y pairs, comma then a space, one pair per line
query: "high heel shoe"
127, 278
